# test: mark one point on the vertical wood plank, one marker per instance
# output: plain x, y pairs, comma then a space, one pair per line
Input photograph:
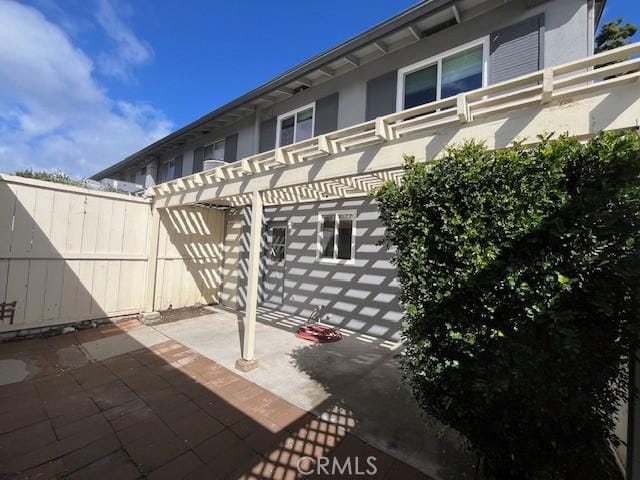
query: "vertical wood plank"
85, 288
4, 270
22, 239
90, 226
75, 224
159, 287
134, 242
116, 229
43, 217
59, 223
17, 287
137, 272
177, 281
53, 290
186, 287
34, 306
172, 232
167, 274
70, 283
162, 233
200, 280
113, 287
7, 206
104, 225
99, 289
125, 285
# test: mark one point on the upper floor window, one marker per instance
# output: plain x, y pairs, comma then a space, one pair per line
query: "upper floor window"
453, 72
171, 170
295, 126
336, 236
215, 151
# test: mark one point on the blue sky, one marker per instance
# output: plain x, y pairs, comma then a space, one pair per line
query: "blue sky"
84, 83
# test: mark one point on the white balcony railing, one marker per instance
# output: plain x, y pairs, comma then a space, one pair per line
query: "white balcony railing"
553, 84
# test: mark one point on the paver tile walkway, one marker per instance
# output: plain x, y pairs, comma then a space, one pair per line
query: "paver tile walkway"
157, 412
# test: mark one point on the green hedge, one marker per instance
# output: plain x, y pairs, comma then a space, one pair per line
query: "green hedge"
520, 272
55, 176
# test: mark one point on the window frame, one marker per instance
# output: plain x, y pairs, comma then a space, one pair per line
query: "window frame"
335, 259
271, 244
220, 140
437, 60
286, 115
164, 170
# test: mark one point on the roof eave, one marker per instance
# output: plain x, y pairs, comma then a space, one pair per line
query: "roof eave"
394, 23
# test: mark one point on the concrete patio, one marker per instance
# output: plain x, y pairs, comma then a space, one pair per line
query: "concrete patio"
354, 383
164, 401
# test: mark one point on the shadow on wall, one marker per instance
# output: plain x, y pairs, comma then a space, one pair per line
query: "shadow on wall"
70, 256
189, 257
67, 257
361, 296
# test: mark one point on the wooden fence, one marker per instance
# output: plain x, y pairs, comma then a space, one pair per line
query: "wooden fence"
69, 254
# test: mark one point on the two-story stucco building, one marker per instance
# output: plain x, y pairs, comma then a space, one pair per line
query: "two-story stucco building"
321, 247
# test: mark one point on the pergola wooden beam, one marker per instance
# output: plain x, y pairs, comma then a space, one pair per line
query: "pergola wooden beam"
485, 114
623, 102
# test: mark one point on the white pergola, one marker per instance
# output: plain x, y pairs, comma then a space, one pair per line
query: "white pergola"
580, 98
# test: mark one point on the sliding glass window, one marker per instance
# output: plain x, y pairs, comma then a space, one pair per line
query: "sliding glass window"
295, 126
442, 77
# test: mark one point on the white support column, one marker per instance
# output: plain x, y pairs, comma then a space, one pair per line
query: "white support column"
248, 362
149, 314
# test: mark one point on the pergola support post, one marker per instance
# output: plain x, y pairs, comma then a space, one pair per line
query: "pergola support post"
248, 362
149, 315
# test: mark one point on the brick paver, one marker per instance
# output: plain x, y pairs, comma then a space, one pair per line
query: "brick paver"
159, 413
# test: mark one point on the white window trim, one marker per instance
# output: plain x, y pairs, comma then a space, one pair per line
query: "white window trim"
166, 164
354, 230
223, 139
294, 112
437, 59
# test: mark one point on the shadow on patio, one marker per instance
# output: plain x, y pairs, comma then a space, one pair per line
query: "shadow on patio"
354, 383
126, 401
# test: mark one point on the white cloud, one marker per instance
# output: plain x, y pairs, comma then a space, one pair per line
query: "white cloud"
53, 112
129, 49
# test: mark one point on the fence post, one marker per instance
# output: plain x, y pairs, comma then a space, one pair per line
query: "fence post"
152, 260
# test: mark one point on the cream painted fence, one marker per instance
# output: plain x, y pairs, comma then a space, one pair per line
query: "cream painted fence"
189, 257
69, 254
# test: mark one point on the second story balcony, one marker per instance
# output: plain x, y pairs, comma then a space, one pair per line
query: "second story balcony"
579, 98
